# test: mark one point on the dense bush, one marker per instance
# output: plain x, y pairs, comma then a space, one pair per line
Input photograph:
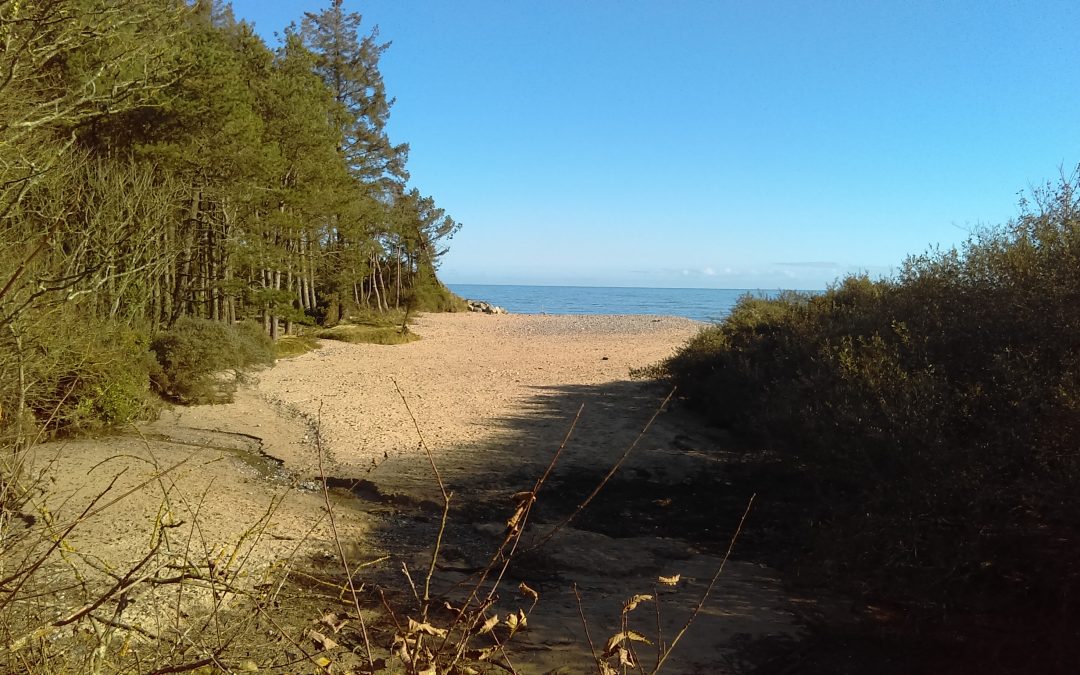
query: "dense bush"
938, 413
73, 373
194, 353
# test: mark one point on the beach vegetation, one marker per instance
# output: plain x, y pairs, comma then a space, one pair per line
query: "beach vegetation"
200, 360
934, 413
289, 346
380, 328
161, 165
361, 334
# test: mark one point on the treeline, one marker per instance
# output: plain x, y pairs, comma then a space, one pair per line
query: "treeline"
167, 159
935, 420
158, 161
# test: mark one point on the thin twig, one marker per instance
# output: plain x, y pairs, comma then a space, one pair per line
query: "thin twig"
512, 535
585, 625
708, 591
614, 468
532, 501
446, 502
337, 541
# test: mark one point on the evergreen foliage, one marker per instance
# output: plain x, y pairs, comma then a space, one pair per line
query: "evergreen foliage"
159, 161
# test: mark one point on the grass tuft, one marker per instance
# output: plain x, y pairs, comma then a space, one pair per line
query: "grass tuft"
289, 346
376, 335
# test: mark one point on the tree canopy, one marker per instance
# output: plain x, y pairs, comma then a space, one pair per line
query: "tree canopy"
158, 160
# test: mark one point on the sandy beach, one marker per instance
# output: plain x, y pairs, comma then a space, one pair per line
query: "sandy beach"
466, 381
493, 398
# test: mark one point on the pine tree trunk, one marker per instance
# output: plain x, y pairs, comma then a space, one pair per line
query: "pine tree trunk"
275, 320
266, 305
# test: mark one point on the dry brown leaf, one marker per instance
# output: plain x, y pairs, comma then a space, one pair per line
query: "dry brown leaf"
513, 523
481, 654
605, 669
525, 590
614, 643
671, 581
334, 621
249, 666
321, 640
402, 649
526, 496
425, 628
633, 602
430, 670
516, 622
322, 661
626, 658
488, 625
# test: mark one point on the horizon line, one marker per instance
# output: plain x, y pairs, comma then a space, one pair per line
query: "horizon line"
671, 288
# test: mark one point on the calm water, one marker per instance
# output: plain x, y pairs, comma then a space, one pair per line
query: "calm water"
702, 304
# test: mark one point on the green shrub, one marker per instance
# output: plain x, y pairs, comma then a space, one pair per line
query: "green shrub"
75, 373
938, 413
194, 354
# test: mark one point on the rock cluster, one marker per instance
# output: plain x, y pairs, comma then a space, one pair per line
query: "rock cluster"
485, 307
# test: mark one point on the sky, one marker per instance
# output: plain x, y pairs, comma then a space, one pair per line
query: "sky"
716, 144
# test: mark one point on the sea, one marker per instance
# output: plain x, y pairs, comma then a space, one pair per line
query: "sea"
700, 304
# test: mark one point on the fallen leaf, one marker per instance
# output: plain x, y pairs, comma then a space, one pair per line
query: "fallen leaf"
334, 621
322, 661
249, 666
425, 628
671, 581
321, 640
481, 654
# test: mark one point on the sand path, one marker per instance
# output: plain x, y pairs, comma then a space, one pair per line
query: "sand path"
493, 397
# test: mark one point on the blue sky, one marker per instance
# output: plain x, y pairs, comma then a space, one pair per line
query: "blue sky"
719, 144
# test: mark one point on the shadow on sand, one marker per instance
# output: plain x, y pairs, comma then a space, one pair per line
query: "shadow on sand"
670, 509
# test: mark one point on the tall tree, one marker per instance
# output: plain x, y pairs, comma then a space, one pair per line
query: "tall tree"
349, 64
